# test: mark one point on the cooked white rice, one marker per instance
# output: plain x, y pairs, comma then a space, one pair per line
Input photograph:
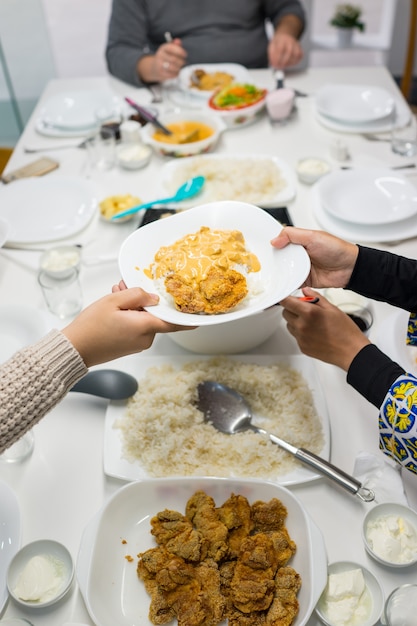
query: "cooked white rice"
248, 180
164, 431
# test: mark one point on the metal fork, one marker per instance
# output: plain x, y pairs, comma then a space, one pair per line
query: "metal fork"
82, 144
372, 137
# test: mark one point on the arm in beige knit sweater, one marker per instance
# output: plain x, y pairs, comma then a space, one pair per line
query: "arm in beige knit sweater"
36, 378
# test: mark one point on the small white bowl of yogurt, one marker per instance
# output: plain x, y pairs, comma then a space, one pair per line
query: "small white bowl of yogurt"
40, 574
352, 596
389, 533
311, 169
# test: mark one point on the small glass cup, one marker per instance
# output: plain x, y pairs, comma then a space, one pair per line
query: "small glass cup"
63, 295
404, 140
401, 607
101, 149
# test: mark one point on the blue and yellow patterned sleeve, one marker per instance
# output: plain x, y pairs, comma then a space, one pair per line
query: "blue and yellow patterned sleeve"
398, 422
411, 339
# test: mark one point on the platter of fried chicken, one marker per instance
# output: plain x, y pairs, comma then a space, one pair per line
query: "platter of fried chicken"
212, 264
201, 552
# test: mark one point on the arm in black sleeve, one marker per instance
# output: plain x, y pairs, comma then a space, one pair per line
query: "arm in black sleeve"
385, 277
372, 373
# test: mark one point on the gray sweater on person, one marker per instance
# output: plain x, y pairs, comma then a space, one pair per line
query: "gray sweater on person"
212, 31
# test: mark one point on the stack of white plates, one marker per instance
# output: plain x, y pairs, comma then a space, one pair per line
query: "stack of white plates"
74, 114
359, 108
366, 205
182, 92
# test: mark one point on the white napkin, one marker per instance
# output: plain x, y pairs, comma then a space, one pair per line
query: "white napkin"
382, 476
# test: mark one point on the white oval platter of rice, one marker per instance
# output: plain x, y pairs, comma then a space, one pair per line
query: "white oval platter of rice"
282, 271
159, 431
264, 180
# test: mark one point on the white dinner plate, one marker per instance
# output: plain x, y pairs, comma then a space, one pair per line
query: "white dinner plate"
354, 103
4, 231
391, 339
361, 232
79, 110
45, 129
281, 273
248, 190
402, 117
20, 326
117, 466
239, 72
107, 560
368, 196
47, 208
9, 536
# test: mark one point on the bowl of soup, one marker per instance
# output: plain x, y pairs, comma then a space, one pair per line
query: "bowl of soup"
192, 133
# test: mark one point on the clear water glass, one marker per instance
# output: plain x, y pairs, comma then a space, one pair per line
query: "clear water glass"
404, 140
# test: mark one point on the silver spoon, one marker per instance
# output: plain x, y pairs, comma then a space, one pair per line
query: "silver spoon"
110, 384
228, 411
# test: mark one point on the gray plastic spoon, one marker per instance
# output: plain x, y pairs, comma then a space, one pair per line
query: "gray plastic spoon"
228, 411
110, 384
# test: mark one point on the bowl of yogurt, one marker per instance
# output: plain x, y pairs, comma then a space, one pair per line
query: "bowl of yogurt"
60, 261
389, 533
352, 596
40, 574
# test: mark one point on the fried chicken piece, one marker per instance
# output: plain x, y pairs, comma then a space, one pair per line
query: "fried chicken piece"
268, 516
235, 514
201, 511
150, 564
186, 298
253, 586
176, 533
284, 546
219, 291
223, 289
285, 605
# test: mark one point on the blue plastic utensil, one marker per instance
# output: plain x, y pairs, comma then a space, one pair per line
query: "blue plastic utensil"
189, 189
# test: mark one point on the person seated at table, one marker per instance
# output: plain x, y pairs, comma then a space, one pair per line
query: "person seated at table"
37, 377
324, 332
208, 31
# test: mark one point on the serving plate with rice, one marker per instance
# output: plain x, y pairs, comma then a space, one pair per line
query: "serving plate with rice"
159, 432
258, 179
281, 271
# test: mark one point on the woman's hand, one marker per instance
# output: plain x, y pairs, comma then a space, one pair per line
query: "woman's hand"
166, 63
322, 330
116, 325
332, 259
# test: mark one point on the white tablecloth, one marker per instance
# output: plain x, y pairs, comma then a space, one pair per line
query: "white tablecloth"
62, 485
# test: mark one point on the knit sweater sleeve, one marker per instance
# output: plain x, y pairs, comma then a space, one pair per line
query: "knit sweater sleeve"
33, 381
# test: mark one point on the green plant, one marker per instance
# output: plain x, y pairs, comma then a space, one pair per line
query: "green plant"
347, 16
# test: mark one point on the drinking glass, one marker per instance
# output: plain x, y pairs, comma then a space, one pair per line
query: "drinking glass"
404, 140
19, 451
62, 295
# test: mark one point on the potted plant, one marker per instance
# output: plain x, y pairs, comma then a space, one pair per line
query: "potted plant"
346, 19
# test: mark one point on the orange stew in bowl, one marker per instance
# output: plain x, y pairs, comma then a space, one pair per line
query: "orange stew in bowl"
236, 96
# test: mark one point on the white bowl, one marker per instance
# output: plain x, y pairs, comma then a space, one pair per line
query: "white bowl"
108, 580
311, 169
59, 557
133, 156
373, 588
391, 539
185, 149
60, 261
239, 117
232, 337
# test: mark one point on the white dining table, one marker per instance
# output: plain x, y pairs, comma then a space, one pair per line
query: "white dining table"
62, 485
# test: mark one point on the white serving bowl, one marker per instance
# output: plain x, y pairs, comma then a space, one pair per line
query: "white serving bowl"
185, 149
43, 547
108, 580
391, 540
231, 337
373, 588
239, 117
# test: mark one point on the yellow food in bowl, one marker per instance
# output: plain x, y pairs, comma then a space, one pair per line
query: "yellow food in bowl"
116, 204
209, 81
184, 132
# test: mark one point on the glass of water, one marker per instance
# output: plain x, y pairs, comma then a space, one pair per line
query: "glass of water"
404, 140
